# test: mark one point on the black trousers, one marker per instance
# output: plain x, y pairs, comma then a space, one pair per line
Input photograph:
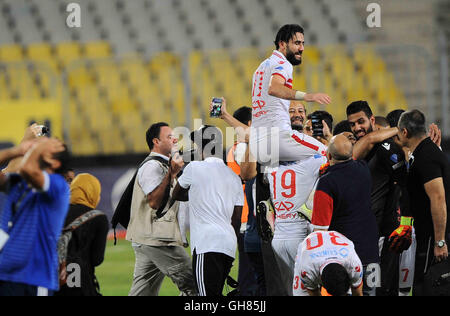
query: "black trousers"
389, 266
257, 262
19, 289
210, 272
246, 274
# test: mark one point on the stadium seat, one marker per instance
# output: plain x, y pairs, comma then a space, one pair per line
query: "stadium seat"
11, 53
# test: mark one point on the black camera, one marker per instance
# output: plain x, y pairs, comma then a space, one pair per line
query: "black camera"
317, 125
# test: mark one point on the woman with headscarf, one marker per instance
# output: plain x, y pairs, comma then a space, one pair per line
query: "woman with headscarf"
88, 242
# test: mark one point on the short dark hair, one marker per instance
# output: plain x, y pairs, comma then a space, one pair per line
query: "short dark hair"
381, 120
335, 279
286, 32
394, 116
414, 122
206, 135
64, 158
327, 117
243, 114
153, 132
342, 126
358, 106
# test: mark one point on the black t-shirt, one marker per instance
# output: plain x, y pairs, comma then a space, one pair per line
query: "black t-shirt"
388, 170
428, 163
342, 203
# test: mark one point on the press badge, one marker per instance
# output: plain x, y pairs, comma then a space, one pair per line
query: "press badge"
3, 239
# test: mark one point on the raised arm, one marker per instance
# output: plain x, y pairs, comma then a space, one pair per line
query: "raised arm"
242, 130
41, 153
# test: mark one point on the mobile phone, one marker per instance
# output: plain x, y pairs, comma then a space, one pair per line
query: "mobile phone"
217, 107
317, 125
44, 131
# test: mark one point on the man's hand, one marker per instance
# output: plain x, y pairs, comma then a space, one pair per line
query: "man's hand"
435, 134
320, 98
176, 164
223, 109
32, 132
440, 254
401, 238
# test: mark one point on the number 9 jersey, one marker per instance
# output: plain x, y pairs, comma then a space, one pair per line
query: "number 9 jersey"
315, 252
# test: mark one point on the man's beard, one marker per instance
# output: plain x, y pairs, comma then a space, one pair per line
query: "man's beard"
290, 56
297, 126
369, 130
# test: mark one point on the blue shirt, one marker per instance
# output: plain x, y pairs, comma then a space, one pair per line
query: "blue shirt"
34, 221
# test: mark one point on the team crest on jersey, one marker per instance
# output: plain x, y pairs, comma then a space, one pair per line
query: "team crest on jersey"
281, 62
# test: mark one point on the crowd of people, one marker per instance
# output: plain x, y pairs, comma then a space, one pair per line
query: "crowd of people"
359, 208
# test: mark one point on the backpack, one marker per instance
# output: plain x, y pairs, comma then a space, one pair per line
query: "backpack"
122, 212
64, 240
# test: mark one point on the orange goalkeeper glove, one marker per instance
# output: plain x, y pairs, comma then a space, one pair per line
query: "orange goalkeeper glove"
401, 238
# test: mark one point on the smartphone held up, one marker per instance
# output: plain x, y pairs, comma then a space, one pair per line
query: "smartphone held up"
216, 107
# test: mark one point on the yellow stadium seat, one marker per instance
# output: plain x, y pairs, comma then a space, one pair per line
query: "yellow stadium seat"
11, 53
68, 52
41, 54
99, 49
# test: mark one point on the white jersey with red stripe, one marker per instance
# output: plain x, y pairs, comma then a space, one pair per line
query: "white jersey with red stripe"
290, 186
316, 251
270, 111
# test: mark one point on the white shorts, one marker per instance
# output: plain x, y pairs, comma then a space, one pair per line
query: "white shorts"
271, 145
407, 263
285, 253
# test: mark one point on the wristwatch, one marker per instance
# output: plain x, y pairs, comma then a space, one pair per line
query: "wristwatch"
440, 243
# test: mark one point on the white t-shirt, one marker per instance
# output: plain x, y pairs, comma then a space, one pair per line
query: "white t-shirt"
319, 249
151, 174
290, 187
214, 191
270, 111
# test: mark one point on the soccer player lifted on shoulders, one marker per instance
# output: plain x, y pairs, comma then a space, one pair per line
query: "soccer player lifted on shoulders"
271, 95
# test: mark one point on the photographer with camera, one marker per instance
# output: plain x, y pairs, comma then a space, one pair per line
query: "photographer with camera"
33, 217
319, 126
156, 240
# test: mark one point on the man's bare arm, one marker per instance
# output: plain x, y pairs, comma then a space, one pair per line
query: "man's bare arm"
180, 194
278, 89
30, 168
156, 197
364, 145
436, 192
248, 166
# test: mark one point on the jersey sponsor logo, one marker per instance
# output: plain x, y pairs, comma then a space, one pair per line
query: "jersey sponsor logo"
343, 252
281, 62
279, 68
283, 206
386, 146
260, 113
394, 158
258, 104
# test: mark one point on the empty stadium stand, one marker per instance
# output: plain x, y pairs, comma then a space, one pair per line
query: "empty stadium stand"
136, 62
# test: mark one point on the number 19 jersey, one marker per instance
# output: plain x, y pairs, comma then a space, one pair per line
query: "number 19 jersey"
290, 186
